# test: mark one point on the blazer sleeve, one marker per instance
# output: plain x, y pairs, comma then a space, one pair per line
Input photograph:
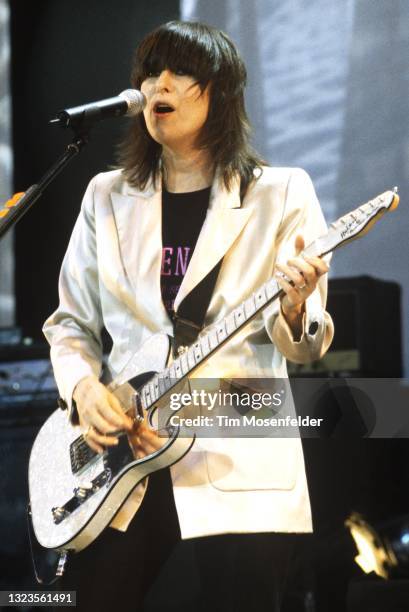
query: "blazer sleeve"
302, 215
74, 329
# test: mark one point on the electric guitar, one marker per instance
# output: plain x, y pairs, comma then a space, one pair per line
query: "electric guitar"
74, 492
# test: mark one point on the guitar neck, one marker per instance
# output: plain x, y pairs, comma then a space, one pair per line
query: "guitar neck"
208, 343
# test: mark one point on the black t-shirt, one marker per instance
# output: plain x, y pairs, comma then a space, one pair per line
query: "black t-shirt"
182, 219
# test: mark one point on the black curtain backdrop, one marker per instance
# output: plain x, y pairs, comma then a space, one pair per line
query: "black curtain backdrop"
64, 53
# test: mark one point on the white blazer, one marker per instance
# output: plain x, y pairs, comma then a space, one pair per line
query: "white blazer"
111, 276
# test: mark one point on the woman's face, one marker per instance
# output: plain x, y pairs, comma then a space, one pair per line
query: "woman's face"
176, 109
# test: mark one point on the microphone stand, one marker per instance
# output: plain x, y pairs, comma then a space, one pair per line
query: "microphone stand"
16, 207
10, 213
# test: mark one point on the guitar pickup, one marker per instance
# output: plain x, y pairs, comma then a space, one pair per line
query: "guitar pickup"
81, 454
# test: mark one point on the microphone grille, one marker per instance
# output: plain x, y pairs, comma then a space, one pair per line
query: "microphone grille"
135, 99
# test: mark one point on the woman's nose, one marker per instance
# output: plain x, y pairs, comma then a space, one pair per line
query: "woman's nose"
165, 79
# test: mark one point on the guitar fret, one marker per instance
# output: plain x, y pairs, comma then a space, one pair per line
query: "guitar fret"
213, 341
177, 368
272, 288
204, 342
166, 378
191, 357
145, 396
249, 307
198, 352
150, 398
221, 331
161, 383
184, 364
239, 315
172, 373
148, 394
230, 323
260, 297
155, 388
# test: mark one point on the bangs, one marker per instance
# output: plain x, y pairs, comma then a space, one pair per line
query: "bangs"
187, 48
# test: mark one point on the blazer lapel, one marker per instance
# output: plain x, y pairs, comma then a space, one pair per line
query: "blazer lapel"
138, 217
224, 222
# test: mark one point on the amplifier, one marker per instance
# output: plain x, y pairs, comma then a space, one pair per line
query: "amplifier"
26, 382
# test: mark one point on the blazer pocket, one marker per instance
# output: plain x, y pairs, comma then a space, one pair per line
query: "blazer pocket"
250, 464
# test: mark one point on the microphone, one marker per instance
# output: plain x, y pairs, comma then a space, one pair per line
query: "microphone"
129, 102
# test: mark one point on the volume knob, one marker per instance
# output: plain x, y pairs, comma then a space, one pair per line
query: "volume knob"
81, 493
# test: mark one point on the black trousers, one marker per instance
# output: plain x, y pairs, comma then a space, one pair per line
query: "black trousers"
148, 568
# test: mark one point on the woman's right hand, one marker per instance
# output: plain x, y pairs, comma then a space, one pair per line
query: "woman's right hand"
100, 413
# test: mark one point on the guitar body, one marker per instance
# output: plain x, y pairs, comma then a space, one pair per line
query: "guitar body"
74, 492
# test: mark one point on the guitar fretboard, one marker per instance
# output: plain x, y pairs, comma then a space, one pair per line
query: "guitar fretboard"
207, 343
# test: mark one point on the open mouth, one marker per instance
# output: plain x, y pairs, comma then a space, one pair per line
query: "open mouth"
162, 109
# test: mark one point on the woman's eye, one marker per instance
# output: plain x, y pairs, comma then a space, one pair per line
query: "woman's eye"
150, 74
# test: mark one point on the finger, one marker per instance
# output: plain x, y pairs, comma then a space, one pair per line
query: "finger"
87, 435
151, 437
292, 273
299, 244
146, 432
148, 439
95, 447
147, 447
292, 293
319, 264
97, 407
101, 424
142, 447
305, 269
100, 401
127, 422
100, 439
113, 421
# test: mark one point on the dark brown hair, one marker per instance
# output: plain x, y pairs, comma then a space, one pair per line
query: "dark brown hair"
209, 56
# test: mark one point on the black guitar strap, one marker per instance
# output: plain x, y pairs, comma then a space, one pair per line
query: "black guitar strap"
188, 321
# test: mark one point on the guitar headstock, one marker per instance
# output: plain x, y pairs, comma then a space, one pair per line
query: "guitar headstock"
354, 224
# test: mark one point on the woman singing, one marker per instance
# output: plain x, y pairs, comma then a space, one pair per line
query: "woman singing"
191, 195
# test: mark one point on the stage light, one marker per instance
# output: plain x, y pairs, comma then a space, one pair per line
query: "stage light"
383, 549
